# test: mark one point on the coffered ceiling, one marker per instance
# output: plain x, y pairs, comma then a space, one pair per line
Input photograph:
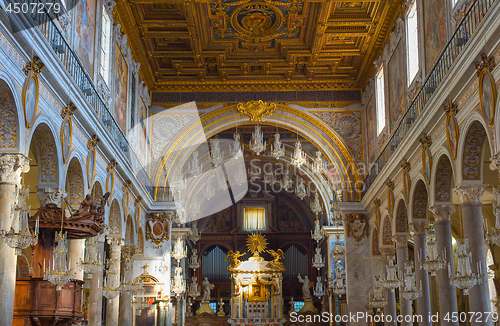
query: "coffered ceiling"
246, 45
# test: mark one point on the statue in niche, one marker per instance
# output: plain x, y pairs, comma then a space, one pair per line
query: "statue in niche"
305, 287
207, 287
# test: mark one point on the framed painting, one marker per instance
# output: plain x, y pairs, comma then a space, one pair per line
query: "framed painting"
397, 84
30, 97
121, 89
435, 31
66, 137
91, 159
487, 95
257, 292
452, 134
84, 34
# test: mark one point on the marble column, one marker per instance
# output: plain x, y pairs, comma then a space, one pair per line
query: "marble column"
76, 249
405, 305
113, 305
472, 217
447, 294
421, 275
11, 167
390, 307
125, 317
95, 294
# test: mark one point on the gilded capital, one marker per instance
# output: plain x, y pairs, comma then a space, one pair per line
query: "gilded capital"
442, 212
470, 194
11, 167
115, 243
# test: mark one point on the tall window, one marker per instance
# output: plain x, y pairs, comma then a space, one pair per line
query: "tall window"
255, 219
380, 96
412, 42
105, 45
453, 3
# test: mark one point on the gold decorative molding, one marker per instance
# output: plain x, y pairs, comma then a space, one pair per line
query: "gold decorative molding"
111, 166
68, 111
487, 64
34, 65
256, 110
158, 227
92, 142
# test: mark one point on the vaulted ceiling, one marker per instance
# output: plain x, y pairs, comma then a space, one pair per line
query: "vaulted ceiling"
229, 45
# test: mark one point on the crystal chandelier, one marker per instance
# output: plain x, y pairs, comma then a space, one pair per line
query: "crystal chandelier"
277, 148
495, 231
194, 208
318, 233
215, 153
178, 284
179, 250
339, 284
335, 217
316, 205
287, 181
236, 151
257, 143
338, 250
221, 181
377, 300
319, 165
19, 237
194, 234
164, 266
194, 288
433, 261
464, 277
409, 288
318, 261
300, 190
391, 279
318, 289
209, 190
299, 157
59, 274
129, 285
194, 166
240, 176
91, 262
194, 261
111, 286
140, 302
269, 177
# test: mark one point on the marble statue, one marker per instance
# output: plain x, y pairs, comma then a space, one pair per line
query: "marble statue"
305, 287
207, 287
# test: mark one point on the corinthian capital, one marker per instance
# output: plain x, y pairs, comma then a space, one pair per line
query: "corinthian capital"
495, 162
114, 243
387, 252
401, 240
442, 212
418, 227
11, 167
470, 194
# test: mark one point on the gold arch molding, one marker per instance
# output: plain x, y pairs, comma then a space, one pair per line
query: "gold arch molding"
308, 126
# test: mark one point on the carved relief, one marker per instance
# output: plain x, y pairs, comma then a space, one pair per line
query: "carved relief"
114, 218
375, 246
401, 218
357, 227
46, 147
8, 126
75, 183
11, 167
140, 243
471, 164
387, 233
420, 201
443, 179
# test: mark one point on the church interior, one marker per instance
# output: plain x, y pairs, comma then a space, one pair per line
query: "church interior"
249, 162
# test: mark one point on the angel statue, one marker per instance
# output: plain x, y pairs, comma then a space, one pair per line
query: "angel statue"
207, 287
305, 287
277, 255
233, 256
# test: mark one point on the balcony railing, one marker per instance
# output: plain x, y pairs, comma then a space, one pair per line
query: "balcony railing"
84, 83
467, 27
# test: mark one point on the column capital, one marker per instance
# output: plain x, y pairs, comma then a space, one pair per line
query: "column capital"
442, 212
418, 227
387, 252
401, 240
470, 193
11, 167
50, 196
495, 162
115, 243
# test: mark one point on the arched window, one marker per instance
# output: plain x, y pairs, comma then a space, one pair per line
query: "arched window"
105, 45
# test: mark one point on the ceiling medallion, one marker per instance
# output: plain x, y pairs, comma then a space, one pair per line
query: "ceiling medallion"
256, 110
257, 21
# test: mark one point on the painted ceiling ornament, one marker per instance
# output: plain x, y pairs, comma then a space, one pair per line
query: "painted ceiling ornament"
158, 228
257, 21
357, 227
487, 87
390, 197
30, 93
452, 128
426, 157
405, 165
256, 110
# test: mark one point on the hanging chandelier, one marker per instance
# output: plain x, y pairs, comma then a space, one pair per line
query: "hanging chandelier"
318, 289
318, 232
277, 148
319, 165
287, 181
257, 143
316, 205
209, 190
269, 177
194, 234
111, 286
194, 261
178, 284
377, 300
59, 273
139, 301
494, 236
194, 208
300, 190
240, 176
194, 166
91, 262
409, 288
391, 279
318, 262
164, 266
236, 150
339, 284
19, 237
179, 250
299, 157
335, 217
464, 278
215, 153
433, 261
129, 285
221, 181
194, 288
338, 250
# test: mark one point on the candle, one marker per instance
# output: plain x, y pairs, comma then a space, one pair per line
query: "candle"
43, 266
1, 228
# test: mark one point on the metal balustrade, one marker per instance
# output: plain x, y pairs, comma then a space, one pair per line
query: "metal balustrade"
467, 27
